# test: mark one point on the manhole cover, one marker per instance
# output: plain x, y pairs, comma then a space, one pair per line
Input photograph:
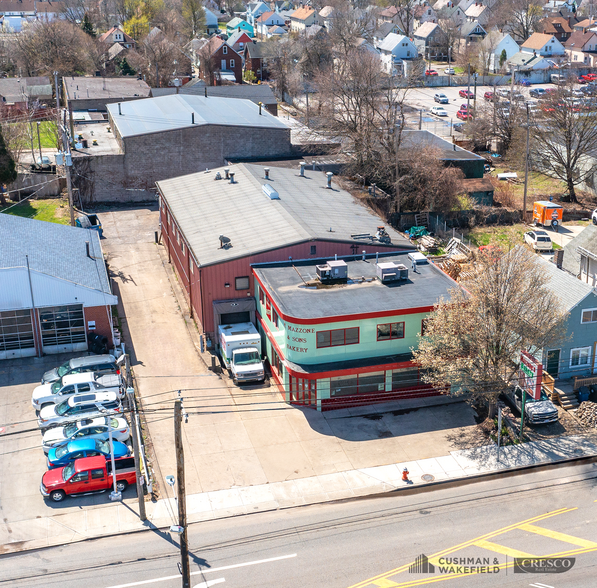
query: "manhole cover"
427, 478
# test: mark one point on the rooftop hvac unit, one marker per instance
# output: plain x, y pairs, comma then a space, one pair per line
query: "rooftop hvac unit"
391, 272
332, 271
269, 191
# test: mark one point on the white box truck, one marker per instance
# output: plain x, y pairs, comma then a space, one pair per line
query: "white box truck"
240, 348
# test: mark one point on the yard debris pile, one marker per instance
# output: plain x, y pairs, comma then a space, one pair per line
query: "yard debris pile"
458, 261
587, 413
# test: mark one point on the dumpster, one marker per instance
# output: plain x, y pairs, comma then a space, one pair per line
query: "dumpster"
547, 214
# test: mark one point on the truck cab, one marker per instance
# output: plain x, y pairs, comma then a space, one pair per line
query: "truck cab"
240, 349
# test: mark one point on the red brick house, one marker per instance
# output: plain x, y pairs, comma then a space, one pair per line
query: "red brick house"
227, 64
258, 59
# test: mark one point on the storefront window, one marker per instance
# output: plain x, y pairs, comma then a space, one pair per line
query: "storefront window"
373, 382
390, 331
405, 378
343, 385
338, 337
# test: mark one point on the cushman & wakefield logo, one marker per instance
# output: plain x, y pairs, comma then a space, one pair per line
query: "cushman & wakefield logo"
455, 565
543, 565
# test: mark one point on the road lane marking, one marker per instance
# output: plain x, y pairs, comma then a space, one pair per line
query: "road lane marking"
207, 571
557, 535
449, 550
209, 583
537, 585
502, 549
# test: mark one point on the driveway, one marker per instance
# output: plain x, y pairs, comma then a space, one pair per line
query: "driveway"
242, 436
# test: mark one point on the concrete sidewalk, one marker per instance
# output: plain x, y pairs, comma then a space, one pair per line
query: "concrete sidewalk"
110, 519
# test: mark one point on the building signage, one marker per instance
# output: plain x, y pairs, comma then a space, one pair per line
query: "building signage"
530, 374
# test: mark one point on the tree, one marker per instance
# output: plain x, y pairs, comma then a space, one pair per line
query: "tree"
88, 27
473, 339
503, 58
193, 16
8, 168
123, 68
565, 140
522, 18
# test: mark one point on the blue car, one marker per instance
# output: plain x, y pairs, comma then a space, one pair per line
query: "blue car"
65, 454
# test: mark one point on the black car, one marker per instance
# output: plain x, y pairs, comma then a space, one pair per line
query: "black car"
459, 127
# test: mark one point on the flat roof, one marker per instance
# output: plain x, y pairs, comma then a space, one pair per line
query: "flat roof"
93, 88
422, 288
447, 150
206, 208
167, 113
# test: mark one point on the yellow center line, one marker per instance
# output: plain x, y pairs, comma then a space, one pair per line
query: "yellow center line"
371, 581
557, 535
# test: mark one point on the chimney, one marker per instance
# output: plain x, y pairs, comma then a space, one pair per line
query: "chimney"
329, 175
192, 118
302, 164
227, 172
232, 177
260, 105
206, 91
87, 249
377, 257
266, 172
119, 111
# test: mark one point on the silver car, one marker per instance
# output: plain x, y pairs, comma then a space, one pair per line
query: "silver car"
536, 412
90, 405
538, 240
105, 364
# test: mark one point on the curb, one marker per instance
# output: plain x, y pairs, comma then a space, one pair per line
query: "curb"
17, 547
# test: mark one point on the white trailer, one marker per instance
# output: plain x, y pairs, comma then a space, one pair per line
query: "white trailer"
240, 348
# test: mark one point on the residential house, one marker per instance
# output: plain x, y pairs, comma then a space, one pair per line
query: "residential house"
389, 14
384, 30
393, 50
211, 21
238, 41
423, 13
117, 35
56, 288
586, 24
267, 20
472, 32
526, 61
303, 18
17, 13
464, 5
580, 256
255, 10
452, 13
577, 354
478, 12
581, 47
499, 45
226, 62
544, 45
326, 16
558, 26
276, 31
17, 95
239, 24
430, 40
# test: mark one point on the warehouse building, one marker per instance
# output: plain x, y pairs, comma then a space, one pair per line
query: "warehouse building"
215, 224
54, 288
339, 332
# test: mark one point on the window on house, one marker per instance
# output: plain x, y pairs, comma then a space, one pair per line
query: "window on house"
580, 356
178, 238
232, 63
242, 283
389, 331
268, 308
275, 317
313, 249
261, 298
192, 267
241, 45
589, 316
225, 50
169, 222
338, 337
182, 247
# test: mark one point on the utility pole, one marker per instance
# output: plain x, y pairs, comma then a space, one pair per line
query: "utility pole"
396, 145
526, 171
475, 75
468, 92
130, 393
39, 143
182, 505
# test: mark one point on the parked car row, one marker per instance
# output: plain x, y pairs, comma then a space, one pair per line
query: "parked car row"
79, 407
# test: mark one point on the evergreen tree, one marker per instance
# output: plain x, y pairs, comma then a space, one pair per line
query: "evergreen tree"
87, 26
503, 57
124, 68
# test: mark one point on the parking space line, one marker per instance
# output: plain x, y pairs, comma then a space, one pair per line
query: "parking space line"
557, 535
502, 549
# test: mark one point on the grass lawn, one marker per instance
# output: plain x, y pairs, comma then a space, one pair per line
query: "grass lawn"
51, 210
504, 237
47, 133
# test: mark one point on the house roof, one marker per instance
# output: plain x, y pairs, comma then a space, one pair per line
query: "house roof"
391, 41
20, 89
420, 11
260, 50
167, 113
264, 16
569, 290
447, 150
586, 23
49, 7
525, 58
254, 92
537, 41
302, 13
17, 6
555, 25
237, 36
55, 250
205, 209
326, 11
578, 40
127, 38
284, 282
235, 22
468, 27
587, 239
384, 30
475, 10
425, 30
93, 87
389, 12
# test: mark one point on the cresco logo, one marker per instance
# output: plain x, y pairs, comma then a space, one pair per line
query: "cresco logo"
543, 565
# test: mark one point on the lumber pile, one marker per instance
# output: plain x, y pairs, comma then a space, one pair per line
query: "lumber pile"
587, 413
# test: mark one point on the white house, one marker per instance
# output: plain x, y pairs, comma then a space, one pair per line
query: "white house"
495, 44
394, 49
267, 20
523, 60
254, 10
544, 45
211, 21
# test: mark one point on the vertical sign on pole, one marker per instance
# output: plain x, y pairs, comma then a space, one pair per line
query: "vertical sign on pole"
499, 435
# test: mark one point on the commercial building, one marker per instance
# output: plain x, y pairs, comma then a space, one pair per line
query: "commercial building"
95, 93
214, 229
54, 288
339, 332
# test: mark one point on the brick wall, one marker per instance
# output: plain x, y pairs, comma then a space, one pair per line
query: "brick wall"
99, 314
99, 103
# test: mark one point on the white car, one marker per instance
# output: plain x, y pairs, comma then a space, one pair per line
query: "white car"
594, 217
449, 71
538, 240
439, 111
87, 429
503, 92
90, 405
441, 98
74, 384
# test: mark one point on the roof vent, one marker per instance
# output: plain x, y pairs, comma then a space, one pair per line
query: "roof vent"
390, 271
224, 242
332, 271
270, 192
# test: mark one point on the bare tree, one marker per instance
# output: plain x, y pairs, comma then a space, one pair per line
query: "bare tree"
565, 140
193, 18
522, 17
207, 64
472, 340
284, 55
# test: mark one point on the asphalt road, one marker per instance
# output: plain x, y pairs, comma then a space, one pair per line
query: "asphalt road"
361, 543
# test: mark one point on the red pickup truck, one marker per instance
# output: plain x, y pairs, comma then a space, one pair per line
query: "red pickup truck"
87, 476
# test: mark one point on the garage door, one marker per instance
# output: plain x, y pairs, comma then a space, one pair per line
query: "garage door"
16, 334
62, 329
